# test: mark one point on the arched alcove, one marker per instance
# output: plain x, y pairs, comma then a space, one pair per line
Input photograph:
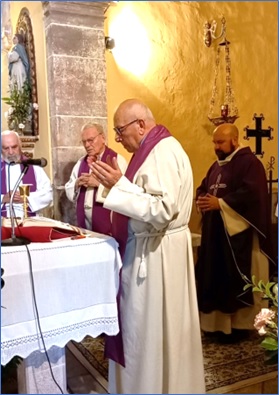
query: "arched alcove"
24, 27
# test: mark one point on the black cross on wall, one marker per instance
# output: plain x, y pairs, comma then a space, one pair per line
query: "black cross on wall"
258, 133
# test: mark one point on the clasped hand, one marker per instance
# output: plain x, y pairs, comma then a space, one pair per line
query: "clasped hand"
208, 202
17, 197
87, 180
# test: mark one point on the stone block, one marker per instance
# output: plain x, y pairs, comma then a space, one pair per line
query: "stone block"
63, 161
77, 87
75, 41
67, 129
90, 14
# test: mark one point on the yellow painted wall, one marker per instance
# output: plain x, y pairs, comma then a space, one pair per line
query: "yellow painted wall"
178, 80
43, 146
166, 38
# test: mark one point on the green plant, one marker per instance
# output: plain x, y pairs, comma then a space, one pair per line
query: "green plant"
266, 321
20, 109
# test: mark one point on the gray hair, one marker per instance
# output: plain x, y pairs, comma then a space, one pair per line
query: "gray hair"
13, 132
97, 126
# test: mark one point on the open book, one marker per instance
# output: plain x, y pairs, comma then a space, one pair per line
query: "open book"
42, 229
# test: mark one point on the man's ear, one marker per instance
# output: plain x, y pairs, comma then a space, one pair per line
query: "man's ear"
141, 123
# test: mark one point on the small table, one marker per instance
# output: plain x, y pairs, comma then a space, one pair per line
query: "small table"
75, 284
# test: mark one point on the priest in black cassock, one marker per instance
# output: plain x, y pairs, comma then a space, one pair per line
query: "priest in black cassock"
235, 244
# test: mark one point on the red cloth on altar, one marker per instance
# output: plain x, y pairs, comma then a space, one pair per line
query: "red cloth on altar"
37, 234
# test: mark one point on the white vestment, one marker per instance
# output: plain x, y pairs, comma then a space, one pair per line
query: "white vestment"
159, 313
72, 193
37, 200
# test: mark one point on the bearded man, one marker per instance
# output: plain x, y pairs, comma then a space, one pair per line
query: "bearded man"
235, 244
40, 187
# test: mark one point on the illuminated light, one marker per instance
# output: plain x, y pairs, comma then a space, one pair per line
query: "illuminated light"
132, 49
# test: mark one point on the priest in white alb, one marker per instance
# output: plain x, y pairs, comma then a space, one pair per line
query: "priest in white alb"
158, 350
40, 187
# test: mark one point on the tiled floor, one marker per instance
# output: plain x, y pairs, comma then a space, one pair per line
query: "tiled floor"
84, 379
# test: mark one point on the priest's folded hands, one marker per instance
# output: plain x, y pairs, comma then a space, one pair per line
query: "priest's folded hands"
207, 203
87, 180
108, 173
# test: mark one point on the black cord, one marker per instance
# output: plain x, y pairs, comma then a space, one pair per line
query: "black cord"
12, 209
9, 179
38, 318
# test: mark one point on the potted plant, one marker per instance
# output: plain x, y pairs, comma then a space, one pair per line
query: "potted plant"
19, 114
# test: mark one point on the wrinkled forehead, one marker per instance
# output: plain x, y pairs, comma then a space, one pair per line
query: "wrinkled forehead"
9, 140
126, 113
89, 132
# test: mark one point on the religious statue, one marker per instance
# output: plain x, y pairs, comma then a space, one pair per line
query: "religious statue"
19, 68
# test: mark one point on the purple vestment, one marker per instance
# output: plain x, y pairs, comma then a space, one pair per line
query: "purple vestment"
101, 222
224, 260
28, 178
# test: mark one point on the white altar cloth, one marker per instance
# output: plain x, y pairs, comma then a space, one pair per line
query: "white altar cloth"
76, 283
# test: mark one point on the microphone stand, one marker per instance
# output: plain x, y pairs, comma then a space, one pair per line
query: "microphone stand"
13, 240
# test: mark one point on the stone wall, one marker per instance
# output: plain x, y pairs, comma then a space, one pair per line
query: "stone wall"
76, 73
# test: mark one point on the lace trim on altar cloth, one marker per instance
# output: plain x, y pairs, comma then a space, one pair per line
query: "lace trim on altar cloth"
24, 346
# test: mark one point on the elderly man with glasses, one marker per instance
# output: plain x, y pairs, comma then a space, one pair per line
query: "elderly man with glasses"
151, 204
84, 189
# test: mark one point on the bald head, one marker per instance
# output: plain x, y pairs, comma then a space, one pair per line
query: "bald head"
132, 121
134, 108
227, 129
11, 146
225, 140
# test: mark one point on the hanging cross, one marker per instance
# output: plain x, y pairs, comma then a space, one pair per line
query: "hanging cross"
270, 181
258, 133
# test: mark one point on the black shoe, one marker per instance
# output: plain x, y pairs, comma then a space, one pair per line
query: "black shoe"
236, 336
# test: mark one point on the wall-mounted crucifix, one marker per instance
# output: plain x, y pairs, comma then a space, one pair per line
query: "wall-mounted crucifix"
258, 133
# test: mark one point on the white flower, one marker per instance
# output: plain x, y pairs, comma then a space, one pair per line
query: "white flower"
262, 331
35, 106
21, 126
263, 318
10, 110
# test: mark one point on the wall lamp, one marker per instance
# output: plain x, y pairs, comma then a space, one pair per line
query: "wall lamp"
210, 32
110, 43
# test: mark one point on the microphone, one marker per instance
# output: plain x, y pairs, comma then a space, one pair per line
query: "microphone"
35, 162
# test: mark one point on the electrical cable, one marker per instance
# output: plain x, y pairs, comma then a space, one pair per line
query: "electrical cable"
38, 318
12, 211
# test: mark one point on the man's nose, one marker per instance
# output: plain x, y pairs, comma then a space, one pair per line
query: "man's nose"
117, 138
11, 150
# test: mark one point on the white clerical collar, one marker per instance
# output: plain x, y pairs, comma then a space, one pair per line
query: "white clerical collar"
229, 158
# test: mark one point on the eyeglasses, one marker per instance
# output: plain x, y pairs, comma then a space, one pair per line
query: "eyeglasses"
120, 129
90, 141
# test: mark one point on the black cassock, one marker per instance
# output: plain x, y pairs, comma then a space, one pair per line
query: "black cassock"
223, 259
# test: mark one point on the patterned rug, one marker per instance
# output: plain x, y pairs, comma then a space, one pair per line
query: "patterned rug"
225, 364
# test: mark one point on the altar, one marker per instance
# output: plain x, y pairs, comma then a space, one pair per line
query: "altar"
53, 293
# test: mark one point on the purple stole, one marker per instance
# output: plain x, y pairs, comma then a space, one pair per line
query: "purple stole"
28, 178
101, 222
114, 344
